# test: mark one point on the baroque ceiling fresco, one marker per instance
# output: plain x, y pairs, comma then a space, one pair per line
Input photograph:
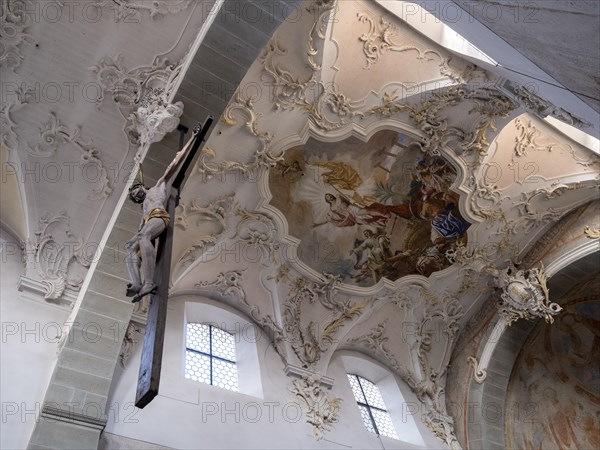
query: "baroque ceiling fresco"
361, 189
359, 192
557, 371
364, 211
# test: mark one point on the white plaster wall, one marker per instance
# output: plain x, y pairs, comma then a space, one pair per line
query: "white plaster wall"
187, 415
29, 340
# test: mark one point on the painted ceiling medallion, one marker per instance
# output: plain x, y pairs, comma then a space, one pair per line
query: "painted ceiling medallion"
365, 211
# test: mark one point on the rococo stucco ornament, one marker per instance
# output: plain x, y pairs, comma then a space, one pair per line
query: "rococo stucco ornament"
310, 340
14, 20
57, 255
541, 108
157, 119
128, 10
524, 294
323, 410
55, 134
379, 40
12, 103
142, 94
129, 342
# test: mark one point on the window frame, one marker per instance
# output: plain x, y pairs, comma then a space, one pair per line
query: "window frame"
370, 407
211, 356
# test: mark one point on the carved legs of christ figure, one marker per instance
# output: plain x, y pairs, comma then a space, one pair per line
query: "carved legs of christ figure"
140, 250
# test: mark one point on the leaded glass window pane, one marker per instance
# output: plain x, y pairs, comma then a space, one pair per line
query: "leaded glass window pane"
225, 375
384, 424
210, 356
197, 367
358, 395
372, 394
372, 408
198, 337
223, 344
364, 412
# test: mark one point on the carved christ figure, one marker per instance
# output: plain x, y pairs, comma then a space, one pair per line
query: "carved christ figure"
155, 219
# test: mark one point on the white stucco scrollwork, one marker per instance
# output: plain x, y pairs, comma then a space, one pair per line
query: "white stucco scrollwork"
323, 410
524, 294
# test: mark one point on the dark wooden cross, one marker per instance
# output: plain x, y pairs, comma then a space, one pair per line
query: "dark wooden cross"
151, 361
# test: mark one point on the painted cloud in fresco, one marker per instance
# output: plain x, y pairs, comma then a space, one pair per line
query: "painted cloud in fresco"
365, 211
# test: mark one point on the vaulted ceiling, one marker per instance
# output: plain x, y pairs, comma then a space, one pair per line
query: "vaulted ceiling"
442, 167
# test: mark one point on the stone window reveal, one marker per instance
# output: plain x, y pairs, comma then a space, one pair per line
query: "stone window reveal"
372, 408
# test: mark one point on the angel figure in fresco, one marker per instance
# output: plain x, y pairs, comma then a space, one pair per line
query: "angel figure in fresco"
343, 213
433, 177
371, 255
348, 207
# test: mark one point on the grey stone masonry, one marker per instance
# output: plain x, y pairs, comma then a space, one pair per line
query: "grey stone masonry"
73, 413
486, 425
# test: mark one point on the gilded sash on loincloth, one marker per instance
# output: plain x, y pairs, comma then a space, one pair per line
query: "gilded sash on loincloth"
158, 213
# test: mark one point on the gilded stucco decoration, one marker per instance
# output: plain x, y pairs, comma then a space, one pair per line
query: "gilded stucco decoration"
310, 338
540, 107
456, 124
592, 233
323, 409
229, 284
379, 40
530, 139
524, 294
263, 157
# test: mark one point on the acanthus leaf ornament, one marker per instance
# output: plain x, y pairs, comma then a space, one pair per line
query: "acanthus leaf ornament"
142, 96
55, 134
540, 107
58, 256
127, 10
14, 20
524, 294
8, 134
379, 40
529, 139
323, 410
229, 285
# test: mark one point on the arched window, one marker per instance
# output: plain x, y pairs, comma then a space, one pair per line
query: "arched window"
372, 408
210, 356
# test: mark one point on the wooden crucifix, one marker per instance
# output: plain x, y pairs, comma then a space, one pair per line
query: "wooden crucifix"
159, 203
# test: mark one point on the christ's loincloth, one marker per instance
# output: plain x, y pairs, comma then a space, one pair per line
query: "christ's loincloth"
158, 213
